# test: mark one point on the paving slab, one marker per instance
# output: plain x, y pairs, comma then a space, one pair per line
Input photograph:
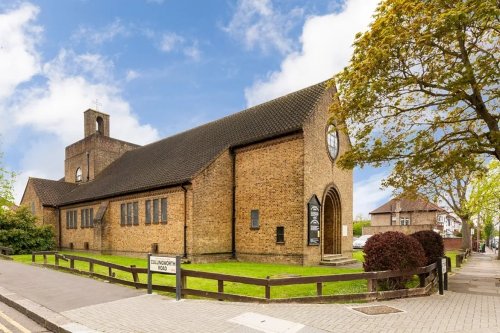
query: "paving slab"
58, 291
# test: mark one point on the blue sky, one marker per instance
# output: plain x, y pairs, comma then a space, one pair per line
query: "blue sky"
159, 67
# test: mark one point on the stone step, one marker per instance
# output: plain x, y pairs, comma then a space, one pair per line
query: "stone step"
338, 262
332, 256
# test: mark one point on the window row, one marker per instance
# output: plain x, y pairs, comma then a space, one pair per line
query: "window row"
86, 218
155, 212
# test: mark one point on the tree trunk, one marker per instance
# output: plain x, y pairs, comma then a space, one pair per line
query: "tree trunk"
465, 233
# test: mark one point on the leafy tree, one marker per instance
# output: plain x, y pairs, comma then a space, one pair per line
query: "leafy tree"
6, 186
439, 179
357, 227
423, 78
19, 231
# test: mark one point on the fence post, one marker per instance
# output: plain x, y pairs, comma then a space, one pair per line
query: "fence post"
72, 263
33, 257
44, 259
56, 259
440, 275
268, 289
319, 289
448, 269
150, 277
220, 287
178, 280
135, 276
91, 267
372, 285
421, 278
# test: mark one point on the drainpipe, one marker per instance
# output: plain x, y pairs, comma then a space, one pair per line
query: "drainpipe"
88, 166
59, 236
233, 212
185, 220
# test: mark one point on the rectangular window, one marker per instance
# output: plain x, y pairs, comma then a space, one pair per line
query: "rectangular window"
405, 221
254, 219
87, 218
280, 234
148, 211
123, 214
129, 213
91, 222
156, 211
83, 219
163, 210
75, 221
136, 213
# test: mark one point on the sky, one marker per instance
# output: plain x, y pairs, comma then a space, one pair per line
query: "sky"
159, 67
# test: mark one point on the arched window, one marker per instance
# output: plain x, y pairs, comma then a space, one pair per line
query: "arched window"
99, 125
78, 175
332, 140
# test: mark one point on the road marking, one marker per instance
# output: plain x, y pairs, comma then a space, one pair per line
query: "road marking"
266, 324
4, 329
14, 323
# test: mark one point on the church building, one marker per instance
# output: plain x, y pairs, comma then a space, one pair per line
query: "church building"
258, 185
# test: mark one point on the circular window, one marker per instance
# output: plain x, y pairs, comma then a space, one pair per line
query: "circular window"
332, 140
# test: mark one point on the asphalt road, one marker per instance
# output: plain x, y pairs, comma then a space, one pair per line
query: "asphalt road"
12, 321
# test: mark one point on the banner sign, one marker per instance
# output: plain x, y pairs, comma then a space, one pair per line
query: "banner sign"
313, 225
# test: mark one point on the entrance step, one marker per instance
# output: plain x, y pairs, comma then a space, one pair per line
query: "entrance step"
336, 260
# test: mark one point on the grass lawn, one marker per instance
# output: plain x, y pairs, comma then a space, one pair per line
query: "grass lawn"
233, 268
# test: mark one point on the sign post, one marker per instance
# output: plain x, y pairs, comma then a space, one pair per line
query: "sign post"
442, 275
165, 265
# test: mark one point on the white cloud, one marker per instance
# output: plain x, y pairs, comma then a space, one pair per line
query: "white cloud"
258, 24
326, 48
131, 75
18, 39
49, 110
102, 35
193, 52
368, 195
169, 41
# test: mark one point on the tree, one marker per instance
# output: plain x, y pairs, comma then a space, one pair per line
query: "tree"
484, 202
424, 77
6, 186
438, 179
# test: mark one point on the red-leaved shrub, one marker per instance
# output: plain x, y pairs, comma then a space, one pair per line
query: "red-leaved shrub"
393, 251
432, 243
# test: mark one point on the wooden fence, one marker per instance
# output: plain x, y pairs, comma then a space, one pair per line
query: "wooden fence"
427, 280
5, 252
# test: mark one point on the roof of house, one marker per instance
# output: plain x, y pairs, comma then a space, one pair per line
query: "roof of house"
51, 192
408, 205
177, 159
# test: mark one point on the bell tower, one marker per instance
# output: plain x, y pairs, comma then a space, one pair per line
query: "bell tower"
86, 158
95, 122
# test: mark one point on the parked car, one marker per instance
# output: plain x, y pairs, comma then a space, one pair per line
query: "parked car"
360, 242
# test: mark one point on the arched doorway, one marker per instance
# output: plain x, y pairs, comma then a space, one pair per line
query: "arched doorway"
332, 222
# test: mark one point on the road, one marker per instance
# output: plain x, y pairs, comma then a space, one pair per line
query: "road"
12, 321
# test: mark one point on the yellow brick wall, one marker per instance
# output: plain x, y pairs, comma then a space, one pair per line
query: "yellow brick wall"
212, 208
320, 173
78, 236
269, 178
416, 218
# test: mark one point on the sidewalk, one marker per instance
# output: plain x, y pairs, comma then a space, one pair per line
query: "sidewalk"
85, 305
479, 276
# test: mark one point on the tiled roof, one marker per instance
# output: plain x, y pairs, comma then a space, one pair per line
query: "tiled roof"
178, 158
51, 192
408, 205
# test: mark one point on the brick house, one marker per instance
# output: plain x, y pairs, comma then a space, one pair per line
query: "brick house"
258, 185
406, 215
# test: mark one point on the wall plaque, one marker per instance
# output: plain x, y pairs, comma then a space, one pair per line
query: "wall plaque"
313, 225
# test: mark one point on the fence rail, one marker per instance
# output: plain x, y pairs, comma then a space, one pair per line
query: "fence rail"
427, 279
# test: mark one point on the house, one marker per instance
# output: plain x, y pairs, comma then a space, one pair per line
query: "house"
258, 185
404, 214
449, 225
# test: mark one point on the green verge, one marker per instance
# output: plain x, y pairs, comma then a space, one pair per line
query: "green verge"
258, 270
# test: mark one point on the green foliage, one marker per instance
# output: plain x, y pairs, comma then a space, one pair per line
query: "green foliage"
6, 186
424, 76
19, 231
393, 251
357, 227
